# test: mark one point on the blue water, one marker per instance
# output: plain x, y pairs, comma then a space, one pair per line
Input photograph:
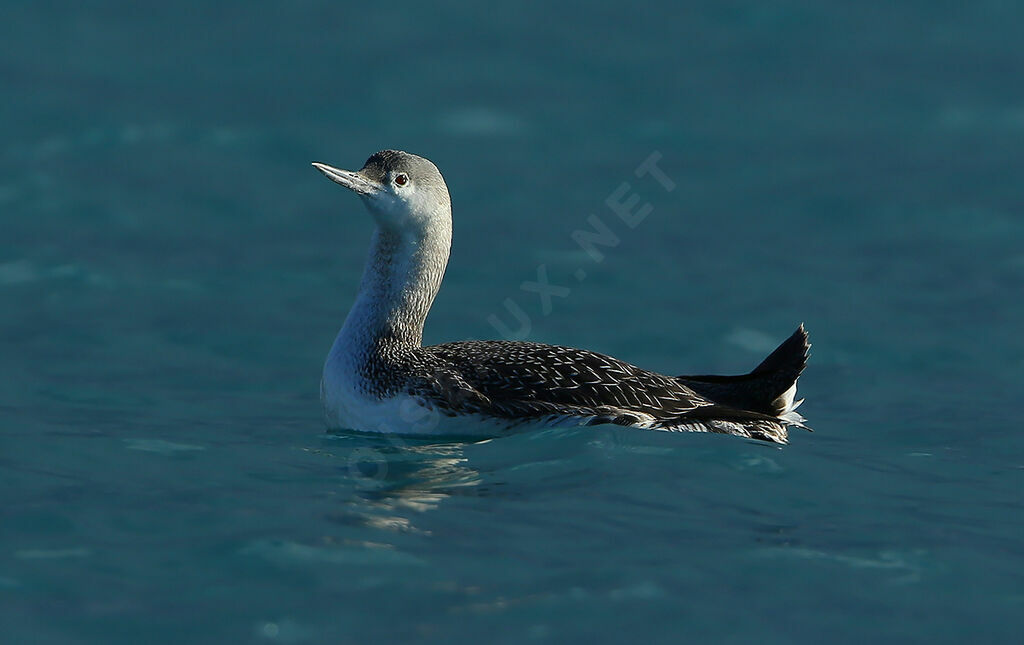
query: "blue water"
172, 273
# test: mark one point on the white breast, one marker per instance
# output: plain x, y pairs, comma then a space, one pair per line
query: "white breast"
347, 408
349, 404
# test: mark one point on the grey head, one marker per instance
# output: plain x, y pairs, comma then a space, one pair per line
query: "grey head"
403, 191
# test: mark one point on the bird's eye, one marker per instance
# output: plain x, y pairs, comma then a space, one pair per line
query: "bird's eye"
401, 179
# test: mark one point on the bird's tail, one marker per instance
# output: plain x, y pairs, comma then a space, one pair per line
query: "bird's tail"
769, 389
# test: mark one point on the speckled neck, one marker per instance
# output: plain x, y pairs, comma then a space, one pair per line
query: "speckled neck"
402, 276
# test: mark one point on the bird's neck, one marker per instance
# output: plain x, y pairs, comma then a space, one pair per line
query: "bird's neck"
402, 275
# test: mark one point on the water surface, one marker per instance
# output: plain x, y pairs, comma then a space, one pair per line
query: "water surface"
172, 273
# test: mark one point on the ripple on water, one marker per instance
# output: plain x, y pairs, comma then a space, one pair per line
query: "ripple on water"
160, 446
287, 553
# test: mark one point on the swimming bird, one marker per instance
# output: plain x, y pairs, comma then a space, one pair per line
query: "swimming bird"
378, 376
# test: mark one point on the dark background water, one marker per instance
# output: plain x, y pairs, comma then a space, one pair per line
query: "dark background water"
172, 273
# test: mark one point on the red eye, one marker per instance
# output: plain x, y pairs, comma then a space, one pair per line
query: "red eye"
402, 179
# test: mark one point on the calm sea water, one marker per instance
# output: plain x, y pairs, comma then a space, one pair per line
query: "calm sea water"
172, 273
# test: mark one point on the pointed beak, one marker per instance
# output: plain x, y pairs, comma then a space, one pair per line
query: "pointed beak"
351, 180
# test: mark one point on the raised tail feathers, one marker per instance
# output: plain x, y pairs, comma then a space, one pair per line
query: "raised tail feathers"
770, 388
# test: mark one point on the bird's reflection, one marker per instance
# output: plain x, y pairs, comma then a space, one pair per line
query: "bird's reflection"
389, 477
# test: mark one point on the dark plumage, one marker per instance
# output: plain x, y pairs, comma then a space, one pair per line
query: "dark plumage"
531, 383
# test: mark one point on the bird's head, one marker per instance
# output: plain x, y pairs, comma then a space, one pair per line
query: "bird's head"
404, 192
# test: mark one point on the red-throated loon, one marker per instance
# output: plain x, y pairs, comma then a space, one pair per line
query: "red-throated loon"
380, 378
